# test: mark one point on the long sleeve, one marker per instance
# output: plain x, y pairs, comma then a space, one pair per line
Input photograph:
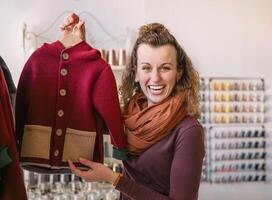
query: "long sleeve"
105, 99
185, 171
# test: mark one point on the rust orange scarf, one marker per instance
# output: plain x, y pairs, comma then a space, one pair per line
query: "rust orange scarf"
145, 125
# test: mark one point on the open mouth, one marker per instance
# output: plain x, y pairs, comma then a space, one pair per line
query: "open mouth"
156, 89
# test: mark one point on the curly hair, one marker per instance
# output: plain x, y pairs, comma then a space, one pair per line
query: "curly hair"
156, 35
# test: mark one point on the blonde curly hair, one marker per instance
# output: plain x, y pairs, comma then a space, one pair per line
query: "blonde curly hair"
156, 35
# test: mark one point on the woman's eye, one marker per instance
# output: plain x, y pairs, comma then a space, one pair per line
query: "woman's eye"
165, 68
146, 68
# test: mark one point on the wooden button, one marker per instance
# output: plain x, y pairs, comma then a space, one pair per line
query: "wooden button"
59, 132
56, 153
62, 92
63, 72
60, 113
65, 56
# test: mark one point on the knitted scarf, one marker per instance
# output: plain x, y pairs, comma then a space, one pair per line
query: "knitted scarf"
146, 125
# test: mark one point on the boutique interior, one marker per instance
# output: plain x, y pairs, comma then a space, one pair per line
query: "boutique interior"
230, 45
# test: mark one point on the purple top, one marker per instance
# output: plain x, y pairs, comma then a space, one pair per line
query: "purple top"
170, 169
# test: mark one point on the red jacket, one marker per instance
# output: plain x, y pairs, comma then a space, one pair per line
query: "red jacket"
60, 94
11, 180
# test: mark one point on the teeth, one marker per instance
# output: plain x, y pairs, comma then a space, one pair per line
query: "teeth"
156, 87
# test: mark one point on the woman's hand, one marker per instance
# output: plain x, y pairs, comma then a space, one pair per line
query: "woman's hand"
73, 25
97, 171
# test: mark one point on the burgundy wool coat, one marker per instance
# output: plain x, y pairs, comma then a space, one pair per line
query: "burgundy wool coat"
64, 96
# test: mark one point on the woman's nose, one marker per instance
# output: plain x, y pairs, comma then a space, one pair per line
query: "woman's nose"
155, 76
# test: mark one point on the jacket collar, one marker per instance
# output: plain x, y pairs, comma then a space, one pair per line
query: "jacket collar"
81, 50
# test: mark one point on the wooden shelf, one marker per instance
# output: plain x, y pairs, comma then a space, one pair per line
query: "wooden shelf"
118, 67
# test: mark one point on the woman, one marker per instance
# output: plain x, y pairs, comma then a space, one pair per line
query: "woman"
160, 92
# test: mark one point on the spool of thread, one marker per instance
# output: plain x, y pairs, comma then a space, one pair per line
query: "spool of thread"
122, 57
112, 57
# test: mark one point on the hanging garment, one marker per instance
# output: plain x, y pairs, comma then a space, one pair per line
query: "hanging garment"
11, 180
9, 81
63, 96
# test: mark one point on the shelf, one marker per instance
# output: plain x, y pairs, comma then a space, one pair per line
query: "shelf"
238, 91
118, 67
235, 124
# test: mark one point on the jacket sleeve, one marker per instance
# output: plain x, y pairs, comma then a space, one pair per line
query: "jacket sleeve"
22, 100
185, 171
106, 102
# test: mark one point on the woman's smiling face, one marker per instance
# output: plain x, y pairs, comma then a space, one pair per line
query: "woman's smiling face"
156, 71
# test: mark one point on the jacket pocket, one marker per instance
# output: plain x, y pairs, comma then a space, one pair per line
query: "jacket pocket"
78, 144
36, 141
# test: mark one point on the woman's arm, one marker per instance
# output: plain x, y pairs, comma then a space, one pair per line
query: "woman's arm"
187, 164
184, 176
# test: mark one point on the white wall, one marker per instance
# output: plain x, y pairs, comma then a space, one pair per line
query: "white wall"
115, 15
223, 38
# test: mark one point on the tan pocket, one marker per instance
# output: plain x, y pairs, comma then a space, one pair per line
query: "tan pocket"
78, 144
36, 141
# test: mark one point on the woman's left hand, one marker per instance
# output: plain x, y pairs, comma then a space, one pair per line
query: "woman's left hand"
97, 171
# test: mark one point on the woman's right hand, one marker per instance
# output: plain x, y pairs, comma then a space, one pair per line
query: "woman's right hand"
96, 172
72, 25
